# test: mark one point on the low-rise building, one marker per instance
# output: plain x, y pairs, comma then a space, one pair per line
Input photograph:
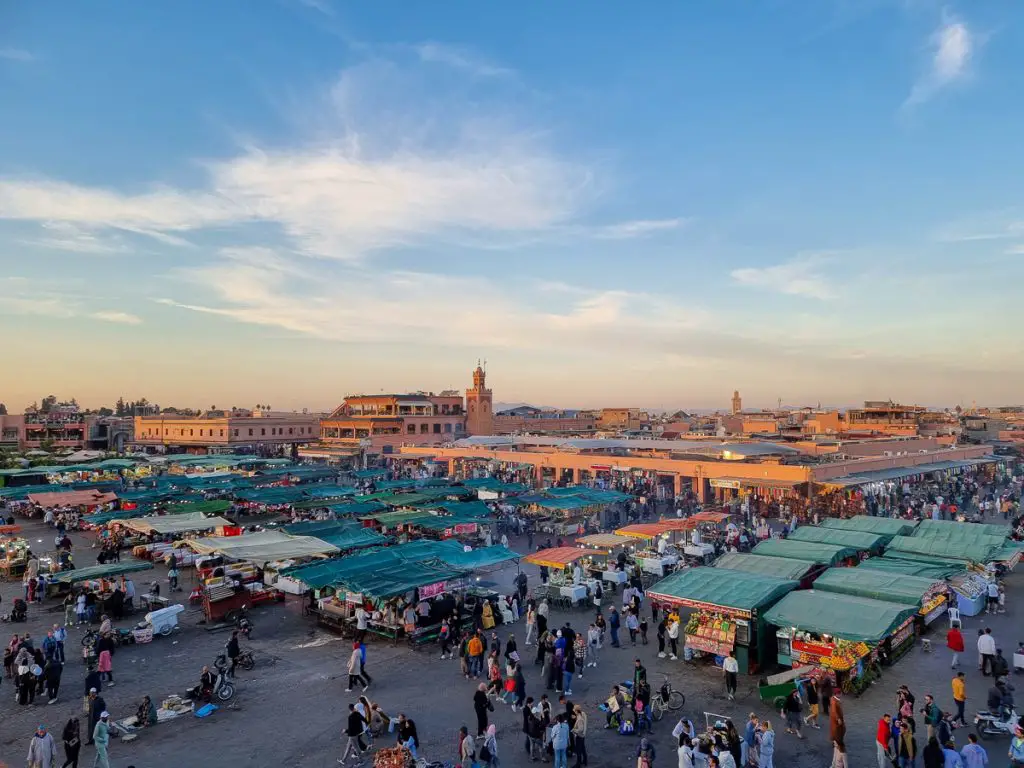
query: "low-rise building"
526, 418
260, 430
884, 417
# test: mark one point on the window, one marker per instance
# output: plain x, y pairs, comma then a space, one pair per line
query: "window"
191, 432
263, 431
437, 429
222, 433
236, 433
424, 428
448, 427
290, 430
411, 429
250, 433
201, 433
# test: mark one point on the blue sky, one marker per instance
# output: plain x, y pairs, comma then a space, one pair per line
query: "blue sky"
291, 200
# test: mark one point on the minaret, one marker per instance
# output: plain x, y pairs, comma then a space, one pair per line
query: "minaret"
737, 403
479, 411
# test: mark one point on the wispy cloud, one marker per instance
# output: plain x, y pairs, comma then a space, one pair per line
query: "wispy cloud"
322, 6
628, 230
996, 225
799, 277
16, 54
117, 317
460, 58
64, 236
952, 46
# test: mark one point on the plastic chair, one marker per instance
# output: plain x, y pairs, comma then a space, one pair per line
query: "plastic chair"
954, 617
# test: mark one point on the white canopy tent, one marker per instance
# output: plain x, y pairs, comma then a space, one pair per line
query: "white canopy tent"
193, 521
262, 547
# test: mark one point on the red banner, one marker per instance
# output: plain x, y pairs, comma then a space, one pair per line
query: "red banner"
812, 649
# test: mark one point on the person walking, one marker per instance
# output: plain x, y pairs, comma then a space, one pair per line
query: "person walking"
97, 706
560, 741
906, 746
489, 750
42, 751
836, 719
593, 644
531, 624
613, 626
481, 705
354, 727
233, 650
467, 747
579, 734
101, 738
973, 753
106, 665
766, 746
568, 670
72, 738
932, 714
51, 674
960, 696
645, 754
673, 636
355, 669
813, 699
955, 643
883, 741
986, 650
793, 708
475, 650
731, 667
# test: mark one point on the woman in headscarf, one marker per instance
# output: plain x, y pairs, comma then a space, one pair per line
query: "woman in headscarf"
491, 745
481, 704
766, 747
72, 738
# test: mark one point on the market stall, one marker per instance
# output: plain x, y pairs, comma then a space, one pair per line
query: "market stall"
564, 580
884, 526
933, 569
824, 554
963, 549
13, 555
728, 613
847, 635
664, 545
802, 571
928, 595
611, 566
862, 541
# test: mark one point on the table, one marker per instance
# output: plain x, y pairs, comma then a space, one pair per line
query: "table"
575, 592
615, 577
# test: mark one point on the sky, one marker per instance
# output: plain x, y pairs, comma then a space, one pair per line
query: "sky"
289, 201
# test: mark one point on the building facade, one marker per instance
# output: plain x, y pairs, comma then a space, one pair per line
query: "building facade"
479, 405
886, 418
377, 423
259, 430
622, 419
537, 420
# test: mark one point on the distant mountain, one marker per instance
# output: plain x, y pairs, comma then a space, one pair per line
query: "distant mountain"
508, 406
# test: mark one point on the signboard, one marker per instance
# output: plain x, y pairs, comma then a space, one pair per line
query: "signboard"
934, 613
708, 645
734, 484
900, 635
465, 528
432, 590
809, 652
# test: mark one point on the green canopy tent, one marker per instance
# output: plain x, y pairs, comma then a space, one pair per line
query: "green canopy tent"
947, 529
914, 567
102, 571
743, 595
890, 587
885, 526
825, 554
860, 540
778, 567
213, 507
948, 549
858, 619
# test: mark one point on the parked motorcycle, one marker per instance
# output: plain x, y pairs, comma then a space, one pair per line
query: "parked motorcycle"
992, 724
243, 623
246, 661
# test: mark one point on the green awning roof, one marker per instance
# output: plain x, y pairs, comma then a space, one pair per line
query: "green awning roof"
860, 540
886, 526
722, 587
951, 549
928, 569
779, 567
102, 571
826, 554
845, 616
212, 507
951, 529
890, 586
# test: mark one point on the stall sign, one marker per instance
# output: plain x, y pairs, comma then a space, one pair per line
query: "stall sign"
601, 467
708, 645
465, 528
733, 484
696, 604
935, 613
906, 630
810, 653
432, 590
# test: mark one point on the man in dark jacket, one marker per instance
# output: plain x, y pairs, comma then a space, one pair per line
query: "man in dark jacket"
234, 651
97, 706
354, 731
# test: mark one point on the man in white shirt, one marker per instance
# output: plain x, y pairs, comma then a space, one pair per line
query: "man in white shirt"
986, 649
731, 668
361, 623
992, 603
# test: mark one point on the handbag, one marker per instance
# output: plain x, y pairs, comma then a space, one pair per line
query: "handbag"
485, 754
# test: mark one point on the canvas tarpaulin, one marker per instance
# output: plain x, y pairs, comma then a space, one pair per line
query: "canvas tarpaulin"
978, 552
212, 507
194, 521
762, 565
953, 529
885, 526
494, 485
261, 547
272, 496
890, 587
845, 616
826, 554
914, 567
861, 540
344, 534
102, 571
452, 553
721, 587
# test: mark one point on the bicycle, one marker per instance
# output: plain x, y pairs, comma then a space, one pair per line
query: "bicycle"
667, 699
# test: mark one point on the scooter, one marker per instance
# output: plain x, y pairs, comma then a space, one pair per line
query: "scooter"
223, 688
246, 661
243, 623
992, 724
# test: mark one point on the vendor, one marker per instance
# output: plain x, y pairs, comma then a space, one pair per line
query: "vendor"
205, 687
146, 714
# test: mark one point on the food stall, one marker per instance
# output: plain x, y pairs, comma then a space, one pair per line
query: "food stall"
561, 561
971, 590
728, 612
13, 556
846, 635
884, 526
652, 557
605, 567
98, 578
862, 541
927, 595
823, 554
803, 571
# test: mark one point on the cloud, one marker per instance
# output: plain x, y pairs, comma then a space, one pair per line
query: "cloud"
459, 58
997, 225
795, 278
322, 6
64, 236
640, 228
367, 181
952, 47
1015, 250
16, 54
117, 317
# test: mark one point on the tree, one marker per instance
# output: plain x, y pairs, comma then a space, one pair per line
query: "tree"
3, 409
104, 411
120, 408
47, 403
